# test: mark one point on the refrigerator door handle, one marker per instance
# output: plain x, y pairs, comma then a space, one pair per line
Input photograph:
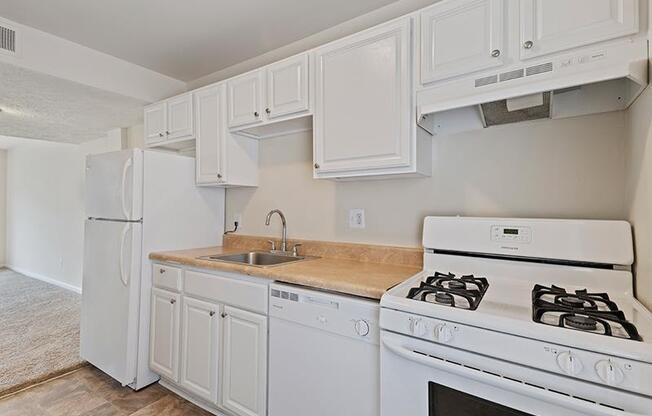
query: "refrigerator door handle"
125, 168
123, 276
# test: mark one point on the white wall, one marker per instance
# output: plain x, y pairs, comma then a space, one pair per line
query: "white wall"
45, 208
562, 168
3, 206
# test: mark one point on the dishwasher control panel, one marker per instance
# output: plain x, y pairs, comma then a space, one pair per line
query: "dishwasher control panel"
340, 314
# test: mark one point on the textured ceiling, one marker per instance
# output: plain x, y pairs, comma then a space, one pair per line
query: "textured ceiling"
184, 39
39, 106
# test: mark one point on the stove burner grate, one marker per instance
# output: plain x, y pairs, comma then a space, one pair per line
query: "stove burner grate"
463, 292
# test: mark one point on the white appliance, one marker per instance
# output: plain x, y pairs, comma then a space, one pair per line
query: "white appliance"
519, 349
324, 354
136, 202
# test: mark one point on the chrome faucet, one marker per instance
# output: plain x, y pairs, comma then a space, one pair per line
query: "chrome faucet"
284, 239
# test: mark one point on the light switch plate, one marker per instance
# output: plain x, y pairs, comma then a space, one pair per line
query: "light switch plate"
356, 218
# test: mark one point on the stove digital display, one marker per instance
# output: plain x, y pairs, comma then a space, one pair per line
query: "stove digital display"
510, 231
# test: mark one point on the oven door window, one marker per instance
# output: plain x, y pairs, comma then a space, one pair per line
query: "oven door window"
444, 401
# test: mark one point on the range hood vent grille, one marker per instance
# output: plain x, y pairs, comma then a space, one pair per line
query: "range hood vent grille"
7, 40
538, 69
497, 112
481, 82
508, 76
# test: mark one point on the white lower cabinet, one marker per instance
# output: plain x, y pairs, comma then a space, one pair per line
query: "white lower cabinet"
244, 386
164, 337
210, 340
200, 342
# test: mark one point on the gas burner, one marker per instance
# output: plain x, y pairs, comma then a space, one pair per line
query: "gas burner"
582, 311
463, 292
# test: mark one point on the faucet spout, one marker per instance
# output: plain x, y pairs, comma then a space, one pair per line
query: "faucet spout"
285, 228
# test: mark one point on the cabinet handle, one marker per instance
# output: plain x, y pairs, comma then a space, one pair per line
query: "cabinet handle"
495, 53
173, 301
161, 271
211, 313
528, 45
224, 315
316, 165
160, 135
167, 132
256, 114
219, 176
268, 111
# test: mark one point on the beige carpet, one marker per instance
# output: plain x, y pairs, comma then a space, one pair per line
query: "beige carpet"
39, 331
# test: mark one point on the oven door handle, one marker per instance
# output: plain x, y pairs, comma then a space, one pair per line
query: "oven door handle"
499, 382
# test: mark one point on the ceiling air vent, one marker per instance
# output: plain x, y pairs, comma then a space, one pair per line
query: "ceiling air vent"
539, 69
481, 82
507, 76
7, 40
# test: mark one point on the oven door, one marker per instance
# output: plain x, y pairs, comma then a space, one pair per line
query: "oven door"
420, 378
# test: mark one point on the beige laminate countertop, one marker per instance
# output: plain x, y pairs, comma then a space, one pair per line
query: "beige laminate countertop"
352, 277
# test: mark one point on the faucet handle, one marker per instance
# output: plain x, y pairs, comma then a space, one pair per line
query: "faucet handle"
295, 251
273, 244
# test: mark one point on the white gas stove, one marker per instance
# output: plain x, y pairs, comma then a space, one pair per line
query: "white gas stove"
518, 317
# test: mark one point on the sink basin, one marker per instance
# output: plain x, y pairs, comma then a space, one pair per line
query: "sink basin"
255, 258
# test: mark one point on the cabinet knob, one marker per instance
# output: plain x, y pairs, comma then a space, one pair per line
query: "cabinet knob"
528, 45
160, 135
173, 301
224, 315
219, 176
316, 165
211, 313
268, 111
256, 114
167, 132
495, 53
161, 271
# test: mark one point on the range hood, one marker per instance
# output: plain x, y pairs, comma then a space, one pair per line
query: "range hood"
564, 85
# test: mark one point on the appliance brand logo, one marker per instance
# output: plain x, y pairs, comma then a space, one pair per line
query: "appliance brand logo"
509, 248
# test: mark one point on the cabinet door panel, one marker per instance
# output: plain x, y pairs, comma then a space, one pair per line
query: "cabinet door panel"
164, 334
155, 122
199, 348
287, 87
245, 99
180, 120
244, 386
549, 26
209, 125
462, 37
363, 100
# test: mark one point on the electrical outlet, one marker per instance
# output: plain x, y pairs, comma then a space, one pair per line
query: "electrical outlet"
356, 218
237, 218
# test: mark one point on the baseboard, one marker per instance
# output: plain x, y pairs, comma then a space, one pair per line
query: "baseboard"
183, 394
45, 279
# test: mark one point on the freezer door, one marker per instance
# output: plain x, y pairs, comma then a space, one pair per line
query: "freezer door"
114, 185
110, 297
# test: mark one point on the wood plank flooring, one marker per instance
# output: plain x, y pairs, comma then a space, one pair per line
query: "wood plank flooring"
88, 391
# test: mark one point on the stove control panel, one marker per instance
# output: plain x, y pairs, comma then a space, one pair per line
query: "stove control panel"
585, 365
509, 234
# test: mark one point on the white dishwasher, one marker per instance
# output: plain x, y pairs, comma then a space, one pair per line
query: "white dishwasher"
324, 354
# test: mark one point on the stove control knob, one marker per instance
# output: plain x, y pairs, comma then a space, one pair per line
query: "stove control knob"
444, 333
569, 363
609, 372
362, 327
418, 327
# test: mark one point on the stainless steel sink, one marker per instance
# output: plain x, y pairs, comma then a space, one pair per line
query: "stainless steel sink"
257, 258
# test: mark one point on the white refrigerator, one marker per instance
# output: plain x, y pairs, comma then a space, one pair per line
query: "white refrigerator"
137, 201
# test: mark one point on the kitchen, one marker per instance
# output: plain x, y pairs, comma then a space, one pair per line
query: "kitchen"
514, 121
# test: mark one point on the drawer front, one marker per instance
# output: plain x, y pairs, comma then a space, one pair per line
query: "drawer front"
247, 295
167, 277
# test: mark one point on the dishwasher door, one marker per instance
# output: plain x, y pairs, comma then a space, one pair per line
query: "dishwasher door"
324, 354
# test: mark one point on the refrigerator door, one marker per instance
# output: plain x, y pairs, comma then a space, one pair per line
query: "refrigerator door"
114, 185
110, 301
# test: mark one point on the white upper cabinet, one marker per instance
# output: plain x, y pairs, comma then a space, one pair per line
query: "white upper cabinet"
199, 348
155, 122
363, 121
287, 87
461, 37
170, 120
244, 385
549, 26
245, 96
180, 114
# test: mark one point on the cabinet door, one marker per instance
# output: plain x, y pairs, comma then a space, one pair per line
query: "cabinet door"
180, 117
287, 87
245, 99
461, 37
244, 384
209, 125
549, 26
363, 117
199, 348
155, 122
164, 334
